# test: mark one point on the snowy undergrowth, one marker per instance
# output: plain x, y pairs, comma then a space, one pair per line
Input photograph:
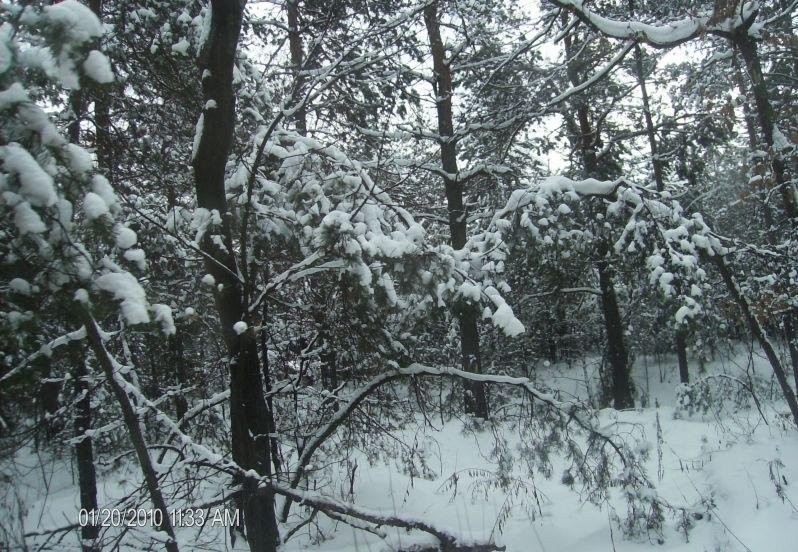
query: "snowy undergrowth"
732, 469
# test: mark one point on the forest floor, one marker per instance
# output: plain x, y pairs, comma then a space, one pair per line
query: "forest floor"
739, 467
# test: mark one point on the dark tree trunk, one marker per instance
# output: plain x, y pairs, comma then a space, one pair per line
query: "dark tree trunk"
84, 450
747, 47
616, 348
297, 55
180, 372
620, 384
650, 130
755, 325
131, 420
791, 336
476, 401
249, 412
681, 353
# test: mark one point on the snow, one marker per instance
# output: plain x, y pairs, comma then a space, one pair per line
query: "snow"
506, 320
94, 206
79, 159
724, 469
208, 280
181, 47
163, 314
125, 237
101, 187
240, 327
197, 136
77, 20
98, 68
81, 296
18, 285
27, 220
14, 94
126, 288
36, 186
138, 257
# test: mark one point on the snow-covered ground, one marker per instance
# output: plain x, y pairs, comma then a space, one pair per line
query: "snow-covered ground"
738, 469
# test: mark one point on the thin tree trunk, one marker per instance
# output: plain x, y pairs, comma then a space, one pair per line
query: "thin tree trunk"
249, 412
131, 421
476, 401
681, 353
84, 450
616, 348
180, 372
759, 334
297, 55
747, 47
650, 130
620, 384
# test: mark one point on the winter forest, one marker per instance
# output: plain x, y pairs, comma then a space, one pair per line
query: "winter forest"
399, 275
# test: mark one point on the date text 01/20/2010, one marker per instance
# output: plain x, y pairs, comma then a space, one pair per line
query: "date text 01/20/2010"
151, 517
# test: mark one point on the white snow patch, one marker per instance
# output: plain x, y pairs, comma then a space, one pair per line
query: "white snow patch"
94, 206
125, 237
36, 186
126, 288
98, 68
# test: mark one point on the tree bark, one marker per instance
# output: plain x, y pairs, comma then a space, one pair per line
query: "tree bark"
84, 449
747, 47
620, 384
759, 334
681, 353
476, 401
297, 55
131, 421
616, 348
249, 412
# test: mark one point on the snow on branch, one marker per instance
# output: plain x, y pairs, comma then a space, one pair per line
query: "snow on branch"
662, 36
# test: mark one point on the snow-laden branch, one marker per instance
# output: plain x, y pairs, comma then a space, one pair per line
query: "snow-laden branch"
595, 77
661, 36
46, 350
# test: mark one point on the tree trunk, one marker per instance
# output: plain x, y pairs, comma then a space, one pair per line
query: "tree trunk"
759, 334
747, 47
620, 384
476, 401
681, 353
616, 347
131, 420
84, 450
295, 47
249, 412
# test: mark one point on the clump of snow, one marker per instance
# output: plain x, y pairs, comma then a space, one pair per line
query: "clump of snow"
126, 288
197, 136
36, 186
77, 20
240, 327
18, 285
181, 47
94, 206
14, 94
163, 314
137, 256
79, 159
27, 220
98, 68
101, 187
505, 319
125, 237
208, 280
81, 296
